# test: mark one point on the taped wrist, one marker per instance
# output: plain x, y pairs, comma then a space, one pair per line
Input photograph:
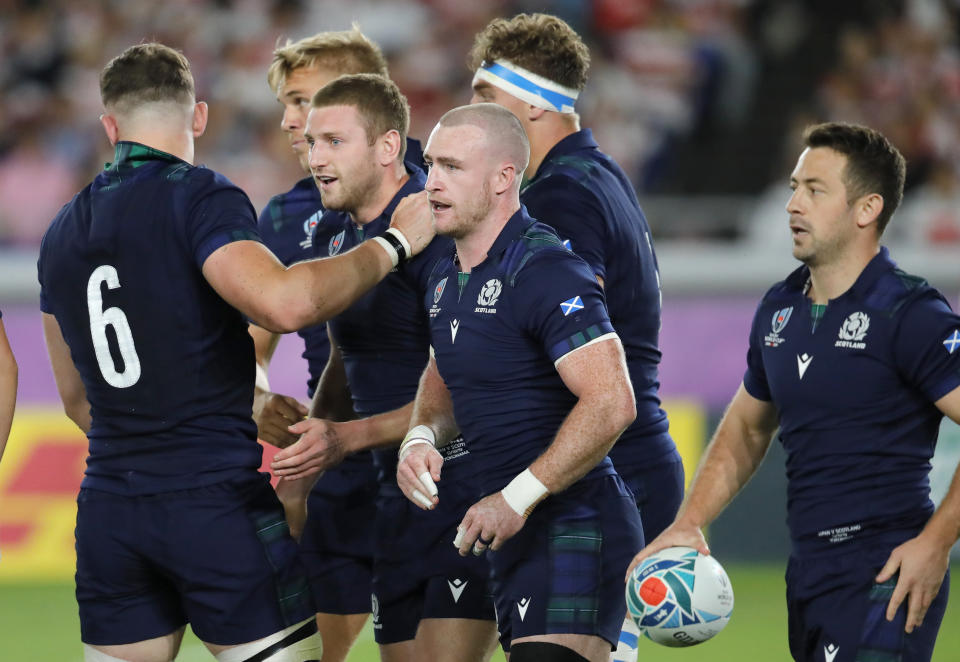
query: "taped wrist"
524, 492
420, 434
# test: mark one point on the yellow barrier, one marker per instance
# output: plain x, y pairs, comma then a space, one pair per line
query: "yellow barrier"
43, 466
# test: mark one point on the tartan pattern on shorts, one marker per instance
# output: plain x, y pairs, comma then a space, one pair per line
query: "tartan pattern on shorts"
881, 641
293, 590
575, 576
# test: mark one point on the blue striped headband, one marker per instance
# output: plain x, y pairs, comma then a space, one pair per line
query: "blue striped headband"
527, 86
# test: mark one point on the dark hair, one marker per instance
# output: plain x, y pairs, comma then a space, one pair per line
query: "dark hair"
146, 73
874, 165
540, 43
378, 100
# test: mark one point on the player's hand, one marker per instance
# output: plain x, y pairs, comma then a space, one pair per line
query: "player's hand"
678, 534
488, 524
273, 413
293, 496
414, 219
418, 471
319, 448
922, 562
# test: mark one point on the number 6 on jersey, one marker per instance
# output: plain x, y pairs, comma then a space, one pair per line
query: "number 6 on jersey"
100, 319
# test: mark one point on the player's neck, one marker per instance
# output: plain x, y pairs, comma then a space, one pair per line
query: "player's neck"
392, 181
544, 135
473, 248
829, 281
178, 145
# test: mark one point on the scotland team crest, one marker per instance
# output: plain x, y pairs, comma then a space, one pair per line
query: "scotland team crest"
438, 290
336, 243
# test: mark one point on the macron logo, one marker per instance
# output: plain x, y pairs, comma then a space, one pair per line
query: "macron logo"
830, 651
456, 587
803, 362
522, 607
454, 325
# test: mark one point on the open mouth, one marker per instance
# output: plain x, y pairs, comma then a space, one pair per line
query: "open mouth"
324, 180
438, 206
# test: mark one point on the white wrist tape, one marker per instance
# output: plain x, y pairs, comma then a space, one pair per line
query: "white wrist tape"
261, 381
524, 492
391, 251
402, 239
420, 434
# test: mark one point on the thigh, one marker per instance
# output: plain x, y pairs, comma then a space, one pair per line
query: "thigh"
235, 565
337, 544
122, 595
837, 613
658, 491
563, 573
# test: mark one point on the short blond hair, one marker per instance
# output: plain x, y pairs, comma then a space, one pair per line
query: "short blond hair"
346, 52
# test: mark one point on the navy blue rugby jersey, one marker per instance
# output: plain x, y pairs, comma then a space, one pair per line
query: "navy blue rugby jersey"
383, 337
497, 333
159, 352
585, 196
287, 225
854, 395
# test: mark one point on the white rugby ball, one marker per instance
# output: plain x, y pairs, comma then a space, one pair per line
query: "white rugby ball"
679, 597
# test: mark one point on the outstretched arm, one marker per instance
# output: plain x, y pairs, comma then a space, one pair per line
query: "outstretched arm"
730, 460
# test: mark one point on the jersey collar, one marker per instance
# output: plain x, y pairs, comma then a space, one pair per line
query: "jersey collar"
131, 154
582, 139
517, 223
879, 264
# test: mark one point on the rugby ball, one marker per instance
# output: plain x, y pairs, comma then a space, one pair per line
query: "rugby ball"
679, 597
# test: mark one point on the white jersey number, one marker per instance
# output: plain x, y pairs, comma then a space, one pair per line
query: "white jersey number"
100, 319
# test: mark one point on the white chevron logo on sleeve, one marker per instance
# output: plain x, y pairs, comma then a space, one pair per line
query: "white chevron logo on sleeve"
830, 651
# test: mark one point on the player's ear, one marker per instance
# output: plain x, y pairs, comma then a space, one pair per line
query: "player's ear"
200, 114
534, 113
868, 208
389, 146
109, 123
506, 176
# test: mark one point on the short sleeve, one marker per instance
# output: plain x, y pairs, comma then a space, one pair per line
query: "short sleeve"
562, 303
576, 216
220, 217
927, 346
755, 377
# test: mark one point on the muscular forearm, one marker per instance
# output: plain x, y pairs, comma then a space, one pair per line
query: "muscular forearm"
585, 437
728, 463
433, 406
380, 431
944, 525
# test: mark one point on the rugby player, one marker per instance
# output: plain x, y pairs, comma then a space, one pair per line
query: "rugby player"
338, 554
429, 603
536, 65
856, 362
528, 365
146, 276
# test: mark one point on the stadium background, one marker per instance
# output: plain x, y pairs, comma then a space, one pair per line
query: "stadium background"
700, 100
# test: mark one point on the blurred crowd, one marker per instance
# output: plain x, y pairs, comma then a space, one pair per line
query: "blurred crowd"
691, 96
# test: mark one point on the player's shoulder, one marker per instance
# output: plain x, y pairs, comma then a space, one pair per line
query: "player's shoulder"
565, 175
537, 244
895, 290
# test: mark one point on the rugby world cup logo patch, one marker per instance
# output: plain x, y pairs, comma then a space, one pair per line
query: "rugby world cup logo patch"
438, 290
336, 243
777, 324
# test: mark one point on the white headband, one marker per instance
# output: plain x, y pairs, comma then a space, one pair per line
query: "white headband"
527, 86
